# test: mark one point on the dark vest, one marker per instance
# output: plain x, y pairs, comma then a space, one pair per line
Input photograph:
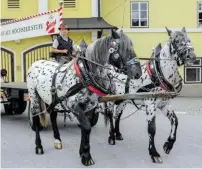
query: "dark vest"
63, 44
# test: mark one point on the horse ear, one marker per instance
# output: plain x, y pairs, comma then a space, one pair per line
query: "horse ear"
115, 35
169, 31
184, 30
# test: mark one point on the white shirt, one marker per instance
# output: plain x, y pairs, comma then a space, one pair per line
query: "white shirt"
74, 46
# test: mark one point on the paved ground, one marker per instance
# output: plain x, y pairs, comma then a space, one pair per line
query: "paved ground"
17, 141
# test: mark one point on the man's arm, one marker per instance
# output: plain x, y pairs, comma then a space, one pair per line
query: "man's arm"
55, 46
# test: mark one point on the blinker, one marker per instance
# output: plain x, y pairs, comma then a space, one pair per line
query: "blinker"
111, 50
133, 61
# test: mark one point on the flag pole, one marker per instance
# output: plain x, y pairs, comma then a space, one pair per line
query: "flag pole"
60, 11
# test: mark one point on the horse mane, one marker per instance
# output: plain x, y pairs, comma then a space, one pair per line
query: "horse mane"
98, 50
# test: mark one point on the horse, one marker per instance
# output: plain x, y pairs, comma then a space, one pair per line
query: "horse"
159, 74
76, 86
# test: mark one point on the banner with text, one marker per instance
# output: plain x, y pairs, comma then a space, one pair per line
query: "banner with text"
46, 24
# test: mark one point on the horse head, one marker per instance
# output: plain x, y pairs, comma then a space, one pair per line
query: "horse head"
181, 45
122, 54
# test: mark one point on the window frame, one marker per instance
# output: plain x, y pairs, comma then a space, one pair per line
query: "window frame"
13, 8
139, 2
199, 2
68, 7
193, 66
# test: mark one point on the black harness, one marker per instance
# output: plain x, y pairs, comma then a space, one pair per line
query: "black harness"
157, 76
88, 78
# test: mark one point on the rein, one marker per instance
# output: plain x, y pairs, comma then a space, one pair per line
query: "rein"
81, 57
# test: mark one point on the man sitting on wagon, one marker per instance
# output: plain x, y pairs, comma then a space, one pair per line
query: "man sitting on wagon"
64, 47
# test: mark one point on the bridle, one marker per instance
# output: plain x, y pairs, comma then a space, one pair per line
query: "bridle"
114, 48
181, 52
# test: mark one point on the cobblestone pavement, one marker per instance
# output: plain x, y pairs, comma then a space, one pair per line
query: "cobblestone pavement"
18, 148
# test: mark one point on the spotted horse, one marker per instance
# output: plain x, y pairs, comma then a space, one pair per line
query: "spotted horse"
77, 86
159, 74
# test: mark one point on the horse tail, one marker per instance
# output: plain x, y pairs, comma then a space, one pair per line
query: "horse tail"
37, 104
43, 117
43, 120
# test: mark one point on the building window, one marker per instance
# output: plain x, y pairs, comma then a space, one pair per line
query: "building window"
13, 4
139, 14
199, 14
69, 3
193, 73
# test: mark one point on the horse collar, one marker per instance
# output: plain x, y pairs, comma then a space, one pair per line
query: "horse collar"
156, 74
87, 79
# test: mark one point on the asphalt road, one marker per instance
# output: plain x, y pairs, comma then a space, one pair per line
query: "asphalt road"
18, 147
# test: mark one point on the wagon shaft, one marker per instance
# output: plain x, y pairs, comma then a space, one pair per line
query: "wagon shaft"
137, 96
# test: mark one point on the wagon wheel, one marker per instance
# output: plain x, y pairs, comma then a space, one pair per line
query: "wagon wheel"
8, 109
7, 106
18, 106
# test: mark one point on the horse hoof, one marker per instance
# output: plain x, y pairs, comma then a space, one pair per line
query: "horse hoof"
156, 159
86, 159
111, 141
58, 145
167, 147
119, 137
39, 150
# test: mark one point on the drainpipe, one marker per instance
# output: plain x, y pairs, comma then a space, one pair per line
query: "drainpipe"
99, 33
94, 8
99, 8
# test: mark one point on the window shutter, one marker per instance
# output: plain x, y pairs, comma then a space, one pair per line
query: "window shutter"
13, 3
69, 3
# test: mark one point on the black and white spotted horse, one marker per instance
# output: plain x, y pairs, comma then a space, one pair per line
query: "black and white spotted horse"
159, 74
77, 86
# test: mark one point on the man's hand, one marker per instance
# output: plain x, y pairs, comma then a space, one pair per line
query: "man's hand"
65, 51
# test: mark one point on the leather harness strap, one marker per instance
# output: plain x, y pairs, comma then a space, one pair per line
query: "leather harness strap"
53, 87
155, 72
127, 91
87, 79
157, 77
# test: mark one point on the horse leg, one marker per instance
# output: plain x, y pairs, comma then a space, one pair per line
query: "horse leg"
36, 125
117, 129
111, 139
170, 114
84, 151
151, 119
58, 142
108, 114
119, 112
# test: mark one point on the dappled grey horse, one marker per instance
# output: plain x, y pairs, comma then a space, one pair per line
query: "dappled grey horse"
159, 74
77, 86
